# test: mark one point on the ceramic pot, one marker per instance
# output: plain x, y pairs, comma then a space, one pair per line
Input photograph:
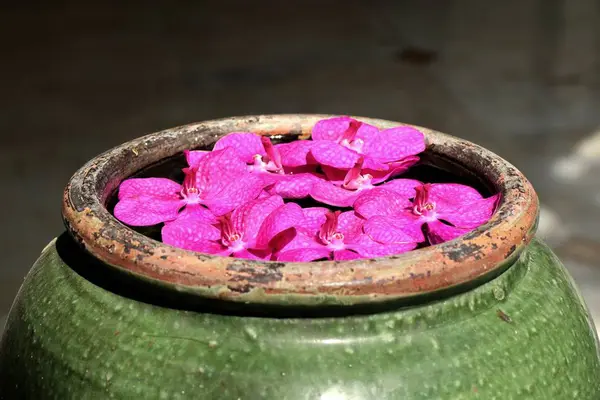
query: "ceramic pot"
107, 312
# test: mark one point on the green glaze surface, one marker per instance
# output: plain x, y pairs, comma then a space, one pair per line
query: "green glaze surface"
524, 335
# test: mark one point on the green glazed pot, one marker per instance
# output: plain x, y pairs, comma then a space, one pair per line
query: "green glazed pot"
107, 312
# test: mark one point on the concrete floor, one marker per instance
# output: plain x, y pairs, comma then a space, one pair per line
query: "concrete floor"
518, 77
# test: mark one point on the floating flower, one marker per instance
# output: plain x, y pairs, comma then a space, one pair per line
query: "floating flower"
264, 159
339, 142
333, 235
355, 183
249, 231
217, 180
447, 210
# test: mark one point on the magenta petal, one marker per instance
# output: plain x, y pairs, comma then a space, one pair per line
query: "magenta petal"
154, 187
147, 211
314, 217
374, 165
285, 217
403, 187
249, 217
328, 193
333, 154
193, 157
191, 234
366, 132
394, 169
292, 239
330, 129
438, 232
380, 202
198, 213
396, 229
308, 254
452, 195
246, 144
252, 255
295, 154
350, 225
395, 144
368, 248
237, 192
295, 186
335, 175
218, 169
470, 215
344, 255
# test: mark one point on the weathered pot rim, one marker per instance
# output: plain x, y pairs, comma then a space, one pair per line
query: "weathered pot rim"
472, 256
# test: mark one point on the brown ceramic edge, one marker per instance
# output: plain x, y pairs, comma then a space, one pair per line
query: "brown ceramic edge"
469, 257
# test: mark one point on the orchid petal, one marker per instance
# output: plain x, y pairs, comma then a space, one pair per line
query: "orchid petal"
295, 186
307, 254
380, 201
295, 154
149, 187
335, 175
404, 228
470, 215
402, 187
333, 154
285, 217
368, 248
252, 255
193, 157
394, 169
218, 169
350, 226
314, 217
246, 144
244, 188
345, 255
328, 193
366, 132
374, 165
147, 211
438, 232
248, 218
190, 235
331, 129
452, 195
395, 144
197, 212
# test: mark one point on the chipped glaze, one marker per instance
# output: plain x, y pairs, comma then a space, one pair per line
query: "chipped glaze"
480, 253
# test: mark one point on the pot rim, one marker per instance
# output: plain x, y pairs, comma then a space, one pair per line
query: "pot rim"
482, 252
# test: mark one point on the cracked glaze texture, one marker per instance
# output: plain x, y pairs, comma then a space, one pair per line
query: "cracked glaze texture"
525, 334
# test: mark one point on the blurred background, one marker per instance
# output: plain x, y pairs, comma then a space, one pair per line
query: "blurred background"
520, 77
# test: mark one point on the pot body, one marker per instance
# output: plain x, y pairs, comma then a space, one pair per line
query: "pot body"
526, 334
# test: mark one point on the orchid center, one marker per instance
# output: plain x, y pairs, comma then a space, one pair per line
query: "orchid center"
271, 163
189, 191
349, 139
422, 205
329, 234
230, 237
354, 180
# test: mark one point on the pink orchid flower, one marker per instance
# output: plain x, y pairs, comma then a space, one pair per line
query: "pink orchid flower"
447, 210
217, 180
250, 231
333, 235
355, 183
339, 142
264, 159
